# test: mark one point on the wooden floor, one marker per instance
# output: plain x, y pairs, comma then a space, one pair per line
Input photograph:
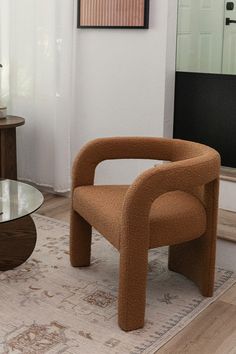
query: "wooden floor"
227, 225
214, 330
55, 206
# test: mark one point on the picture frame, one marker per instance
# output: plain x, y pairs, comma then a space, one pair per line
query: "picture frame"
119, 14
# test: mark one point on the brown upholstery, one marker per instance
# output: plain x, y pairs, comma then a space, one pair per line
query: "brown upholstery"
175, 217
172, 204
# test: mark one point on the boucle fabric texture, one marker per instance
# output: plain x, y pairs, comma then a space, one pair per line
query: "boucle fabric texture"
172, 204
175, 216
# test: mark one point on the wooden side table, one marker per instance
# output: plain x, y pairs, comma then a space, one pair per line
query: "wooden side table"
8, 158
17, 229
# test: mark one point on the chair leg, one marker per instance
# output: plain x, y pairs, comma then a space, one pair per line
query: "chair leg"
80, 241
196, 260
132, 288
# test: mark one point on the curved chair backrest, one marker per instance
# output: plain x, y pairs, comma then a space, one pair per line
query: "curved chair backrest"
151, 148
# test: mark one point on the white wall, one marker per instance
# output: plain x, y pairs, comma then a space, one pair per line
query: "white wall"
125, 85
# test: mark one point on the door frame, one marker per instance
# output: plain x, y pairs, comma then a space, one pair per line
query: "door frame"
171, 42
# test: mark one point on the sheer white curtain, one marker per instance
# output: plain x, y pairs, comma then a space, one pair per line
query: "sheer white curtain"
36, 50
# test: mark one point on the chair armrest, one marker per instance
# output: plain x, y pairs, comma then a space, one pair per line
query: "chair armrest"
182, 175
99, 150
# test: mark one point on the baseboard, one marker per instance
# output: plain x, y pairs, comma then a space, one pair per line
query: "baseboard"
225, 256
228, 174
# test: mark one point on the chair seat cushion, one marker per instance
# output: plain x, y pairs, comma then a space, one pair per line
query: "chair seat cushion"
175, 217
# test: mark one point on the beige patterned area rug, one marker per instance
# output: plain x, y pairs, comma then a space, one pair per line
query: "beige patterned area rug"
49, 307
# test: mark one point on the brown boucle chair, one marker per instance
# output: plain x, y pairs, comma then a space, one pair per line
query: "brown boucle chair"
172, 204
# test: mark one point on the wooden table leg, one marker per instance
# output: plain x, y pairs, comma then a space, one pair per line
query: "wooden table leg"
8, 163
17, 242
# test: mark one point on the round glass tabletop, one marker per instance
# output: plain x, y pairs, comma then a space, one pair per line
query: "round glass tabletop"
17, 200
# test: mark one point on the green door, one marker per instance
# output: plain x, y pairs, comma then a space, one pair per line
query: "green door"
229, 47
206, 40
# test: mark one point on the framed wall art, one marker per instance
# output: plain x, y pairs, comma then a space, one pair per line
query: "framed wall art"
113, 14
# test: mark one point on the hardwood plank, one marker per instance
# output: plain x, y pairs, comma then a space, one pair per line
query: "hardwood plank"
55, 206
230, 296
213, 331
227, 225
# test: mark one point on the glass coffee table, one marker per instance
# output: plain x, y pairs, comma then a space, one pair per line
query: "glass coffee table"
17, 229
